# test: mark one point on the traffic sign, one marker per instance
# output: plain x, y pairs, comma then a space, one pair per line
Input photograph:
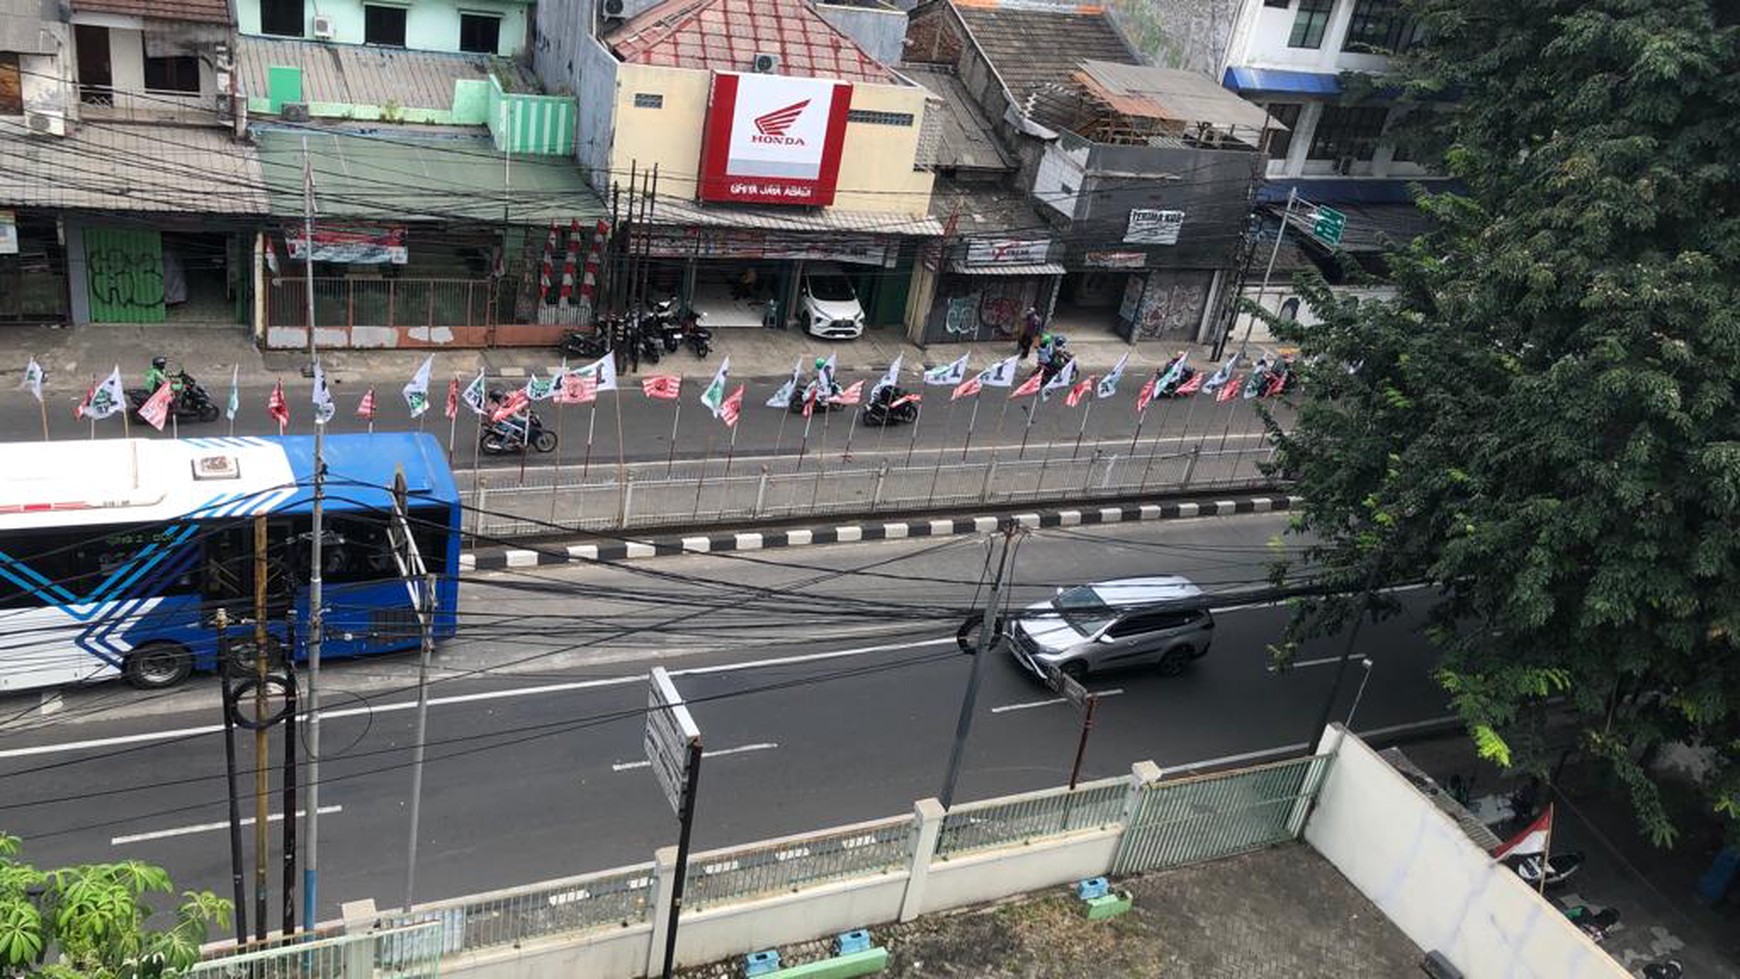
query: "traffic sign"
1068, 686
1327, 223
670, 730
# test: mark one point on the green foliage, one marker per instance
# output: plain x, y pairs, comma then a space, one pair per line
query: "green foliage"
1544, 421
89, 922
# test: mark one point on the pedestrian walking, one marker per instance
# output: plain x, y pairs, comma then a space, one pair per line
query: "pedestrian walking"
1030, 324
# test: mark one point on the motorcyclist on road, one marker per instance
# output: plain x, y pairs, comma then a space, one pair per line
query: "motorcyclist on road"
158, 374
828, 387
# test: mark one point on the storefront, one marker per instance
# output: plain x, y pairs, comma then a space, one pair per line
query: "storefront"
33, 286
987, 287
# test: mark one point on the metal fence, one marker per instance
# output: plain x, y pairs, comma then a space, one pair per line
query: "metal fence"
1018, 819
790, 864
380, 302
612, 898
412, 952
1211, 816
551, 499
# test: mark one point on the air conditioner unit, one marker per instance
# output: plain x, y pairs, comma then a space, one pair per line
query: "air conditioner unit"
46, 123
323, 27
294, 111
614, 9
766, 64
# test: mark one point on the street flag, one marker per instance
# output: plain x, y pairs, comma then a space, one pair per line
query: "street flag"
235, 404
1079, 392
1145, 395
665, 387
1228, 390
913, 398
714, 395
32, 379
1001, 374
453, 399
966, 389
1063, 380
323, 407
731, 408
604, 371
1533, 838
1222, 375
277, 407
1109, 384
1258, 380
105, 399
810, 400
1028, 387
949, 374
541, 388
1170, 374
825, 373
366, 407
1277, 381
782, 397
1191, 386
577, 389
476, 393
155, 410
513, 404
417, 391
890, 378
851, 395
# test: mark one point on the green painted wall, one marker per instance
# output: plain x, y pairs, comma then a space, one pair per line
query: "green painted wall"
535, 124
541, 125
124, 275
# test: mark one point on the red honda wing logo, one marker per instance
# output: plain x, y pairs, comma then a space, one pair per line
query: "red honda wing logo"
771, 127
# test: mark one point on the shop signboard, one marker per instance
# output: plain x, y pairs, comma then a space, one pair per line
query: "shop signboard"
1116, 260
351, 245
8, 233
773, 139
713, 243
992, 251
1150, 227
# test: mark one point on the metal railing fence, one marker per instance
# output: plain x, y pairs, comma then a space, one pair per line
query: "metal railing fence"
380, 302
411, 952
1035, 815
790, 864
611, 898
1210, 816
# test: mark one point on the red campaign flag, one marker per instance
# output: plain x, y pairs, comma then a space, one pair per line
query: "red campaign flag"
1028, 387
731, 407
1191, 386
913, 398
851, 395
966, 389
1230, 389
576, 389
517, 400
1276, 382
1533, 838
155, 410
277, 407
366, 407
1144, 396
667, 387
1082, 387
810, 400
453, 399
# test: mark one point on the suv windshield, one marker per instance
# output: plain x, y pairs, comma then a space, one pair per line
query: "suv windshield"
831, 288
1083, 609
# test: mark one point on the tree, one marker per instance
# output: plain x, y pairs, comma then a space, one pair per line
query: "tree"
89, 922
1544, 422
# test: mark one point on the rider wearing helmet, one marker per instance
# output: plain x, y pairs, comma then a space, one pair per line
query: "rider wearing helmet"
158, 373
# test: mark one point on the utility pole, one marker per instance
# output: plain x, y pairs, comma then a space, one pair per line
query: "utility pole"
412, 570
1328, 710
1262, 293
238, 886
316, 617
288, 906
987, 629
261, 730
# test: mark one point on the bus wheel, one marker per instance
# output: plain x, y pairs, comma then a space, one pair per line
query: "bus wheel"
156, 665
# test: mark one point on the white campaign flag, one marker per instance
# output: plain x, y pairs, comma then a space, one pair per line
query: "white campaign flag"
32, 379
890, 378
788, 390
323, 406
1001, 374
825, 373
714, 394
604, 369
105, 399
1064, 380
1109, 383
950, 374
417, 391
476, 394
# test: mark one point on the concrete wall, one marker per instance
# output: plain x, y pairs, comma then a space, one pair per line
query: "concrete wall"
1280, 290
879, 31
1259, 39
1212, 187
738, 929
984, 877
430, 25
569, 60
1412, 861
616, 954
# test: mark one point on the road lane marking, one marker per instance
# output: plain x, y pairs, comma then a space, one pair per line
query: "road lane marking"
1280, 602
1055, 700
468, 698
623, 766
163, 834
1325, 661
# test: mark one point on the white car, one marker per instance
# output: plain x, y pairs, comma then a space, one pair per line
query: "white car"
828, 305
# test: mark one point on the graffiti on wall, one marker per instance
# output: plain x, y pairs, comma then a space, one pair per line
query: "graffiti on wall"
962, 316
999, 313
126, 278
1172, 304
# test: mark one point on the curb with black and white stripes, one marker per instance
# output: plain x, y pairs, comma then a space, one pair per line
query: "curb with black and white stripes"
495, 558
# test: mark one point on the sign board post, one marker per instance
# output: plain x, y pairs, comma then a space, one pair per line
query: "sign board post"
673, 749
1083, 701
1327, 223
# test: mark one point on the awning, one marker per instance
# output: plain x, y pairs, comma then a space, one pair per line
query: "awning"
101, 166
1246, 81
1041, 268
681, 212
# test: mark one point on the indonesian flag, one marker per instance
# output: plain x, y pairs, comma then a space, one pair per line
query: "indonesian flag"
1146, 395
155, 410
516, 402
1229, 389
1191, 386
576, 388
913, 398
453, 399
277, 407
966, 389
1028, 387
851, 395
1533, 838
666, 387
366, 407
1079, 392
731, 408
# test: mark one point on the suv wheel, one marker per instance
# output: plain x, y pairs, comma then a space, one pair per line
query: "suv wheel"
1175, 660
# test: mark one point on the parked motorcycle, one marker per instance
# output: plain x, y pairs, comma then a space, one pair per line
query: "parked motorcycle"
191, 402
881, 409
1665, 969
1595, 924
1559, 867
586, 344
685, 330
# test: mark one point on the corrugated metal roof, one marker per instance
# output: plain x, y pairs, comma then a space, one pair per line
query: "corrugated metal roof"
675, 212
968, 140
119, 167
726, 35
366, 74
205, 11
1036, 50
986, 210
393, 175
1040, 268
1172, 94
22, 28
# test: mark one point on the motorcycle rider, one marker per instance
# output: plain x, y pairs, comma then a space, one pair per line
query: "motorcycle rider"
824, 385
159, 373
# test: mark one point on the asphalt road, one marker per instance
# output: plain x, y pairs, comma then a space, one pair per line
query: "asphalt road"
647, 424
824, 681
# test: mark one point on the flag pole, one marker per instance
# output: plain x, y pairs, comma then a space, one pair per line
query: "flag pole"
827, 418
948, 419
1141, 417
1033, 410
92, 418
846, 453
452, 428
671, 463
917, 417
972, 420
1546, 851
1085, 412
731, 448
174, 422
126, 424
701, 480
591, 426
556, 458
804, 447
42, 409
621, 465
779, 437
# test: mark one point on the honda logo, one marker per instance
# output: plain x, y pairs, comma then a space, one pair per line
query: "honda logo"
771, 127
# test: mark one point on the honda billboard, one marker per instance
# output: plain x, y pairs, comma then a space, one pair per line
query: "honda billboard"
771, 139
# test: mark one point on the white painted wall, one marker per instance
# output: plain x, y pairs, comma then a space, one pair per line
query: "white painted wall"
980, 878
1260, 41
615, 954
1412, 861
1280, 290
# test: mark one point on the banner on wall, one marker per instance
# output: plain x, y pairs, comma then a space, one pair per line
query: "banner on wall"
1149, 227
988, 251
1116, 260
703, 243
773, 139
351, 245
8, 233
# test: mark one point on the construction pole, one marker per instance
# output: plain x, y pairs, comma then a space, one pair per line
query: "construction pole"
261, 735
238, 886
981, 655
316, 617
1263, 293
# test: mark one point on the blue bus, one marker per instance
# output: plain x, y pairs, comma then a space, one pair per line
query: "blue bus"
116, 554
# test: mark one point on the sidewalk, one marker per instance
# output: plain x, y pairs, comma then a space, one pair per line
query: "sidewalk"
210, 352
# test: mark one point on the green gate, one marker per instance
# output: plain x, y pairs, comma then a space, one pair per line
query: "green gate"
124, 275
1210, 816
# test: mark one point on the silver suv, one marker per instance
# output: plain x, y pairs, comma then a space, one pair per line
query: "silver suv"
1160, 621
